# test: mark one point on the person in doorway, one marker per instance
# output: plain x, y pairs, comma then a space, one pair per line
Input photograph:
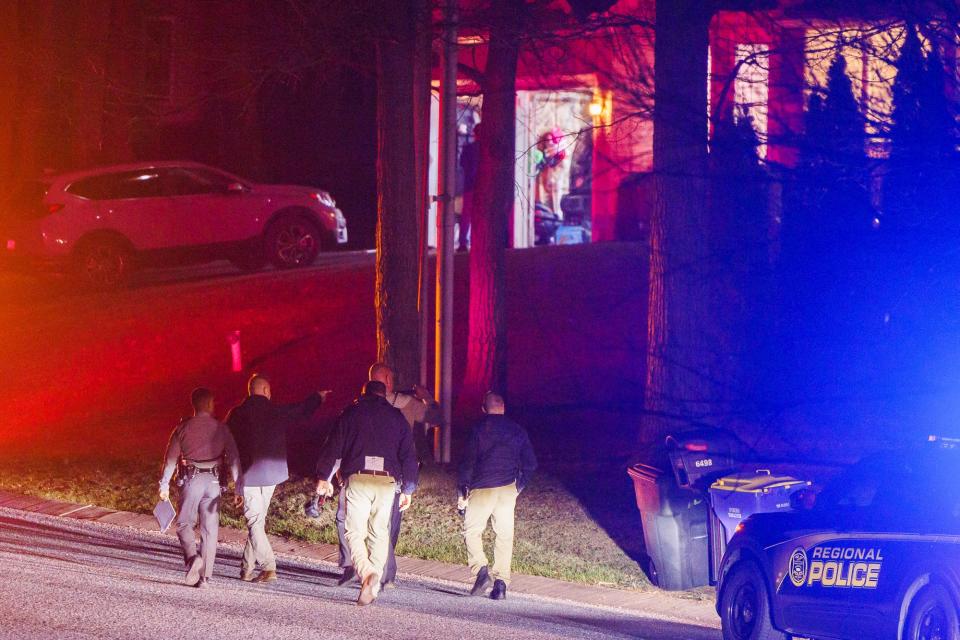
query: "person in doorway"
198, 447
469, 161
498, 463
374, 447
259, 427
417, 407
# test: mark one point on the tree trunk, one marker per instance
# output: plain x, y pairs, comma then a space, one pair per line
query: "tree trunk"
422, 100
493, 191
397, 230
679, 388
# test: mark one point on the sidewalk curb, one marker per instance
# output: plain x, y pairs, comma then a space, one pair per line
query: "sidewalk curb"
651, 604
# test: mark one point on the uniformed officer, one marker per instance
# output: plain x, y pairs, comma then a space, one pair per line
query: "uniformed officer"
497, 464
416, 407
374, 447
199, 444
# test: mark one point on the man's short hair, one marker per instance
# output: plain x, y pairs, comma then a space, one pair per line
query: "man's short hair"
374, 388
200, 397
492, 401
379, 371
255, 381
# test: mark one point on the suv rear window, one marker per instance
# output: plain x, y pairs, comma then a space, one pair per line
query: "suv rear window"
116, 186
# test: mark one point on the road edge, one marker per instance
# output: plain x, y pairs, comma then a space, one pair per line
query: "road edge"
661, 605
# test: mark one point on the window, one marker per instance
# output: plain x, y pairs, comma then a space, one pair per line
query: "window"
118, 186
184, 181
751, 89
912, 491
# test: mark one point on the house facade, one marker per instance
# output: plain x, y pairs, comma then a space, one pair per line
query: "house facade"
589, 92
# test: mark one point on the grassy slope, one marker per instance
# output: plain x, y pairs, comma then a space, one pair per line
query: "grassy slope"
104, 379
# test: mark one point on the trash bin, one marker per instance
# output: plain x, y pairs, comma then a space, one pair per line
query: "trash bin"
700, 456
737, 496
674, 523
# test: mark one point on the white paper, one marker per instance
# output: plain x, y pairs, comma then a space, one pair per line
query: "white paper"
372, 463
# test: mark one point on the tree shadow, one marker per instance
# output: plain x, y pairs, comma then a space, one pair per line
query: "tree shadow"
588, 448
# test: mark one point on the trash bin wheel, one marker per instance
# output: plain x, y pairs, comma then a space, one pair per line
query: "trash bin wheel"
745, 606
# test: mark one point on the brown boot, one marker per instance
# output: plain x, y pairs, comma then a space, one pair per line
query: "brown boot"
194, 567
266, 576
368, 592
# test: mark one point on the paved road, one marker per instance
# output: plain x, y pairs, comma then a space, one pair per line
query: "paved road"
24, 288
66, 579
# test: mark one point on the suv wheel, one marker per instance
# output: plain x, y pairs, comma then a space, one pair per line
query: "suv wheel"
932, 616
292, 242
103, 264
745, 606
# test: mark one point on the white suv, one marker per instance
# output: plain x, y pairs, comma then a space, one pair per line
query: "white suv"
104, 222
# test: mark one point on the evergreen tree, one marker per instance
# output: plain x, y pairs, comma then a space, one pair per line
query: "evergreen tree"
920, 186
833, 174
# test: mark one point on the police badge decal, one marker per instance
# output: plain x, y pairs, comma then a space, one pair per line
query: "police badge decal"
798, 567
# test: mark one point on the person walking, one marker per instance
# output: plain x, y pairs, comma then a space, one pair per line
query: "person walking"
259, 428
198, 446
416, 407
469, 162
374, 448
498, 463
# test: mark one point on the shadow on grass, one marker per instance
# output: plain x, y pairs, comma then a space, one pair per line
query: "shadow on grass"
587, 450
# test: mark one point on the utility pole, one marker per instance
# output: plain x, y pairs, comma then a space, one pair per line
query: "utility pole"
445, 226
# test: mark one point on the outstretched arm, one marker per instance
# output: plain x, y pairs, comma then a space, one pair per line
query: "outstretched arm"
304, 408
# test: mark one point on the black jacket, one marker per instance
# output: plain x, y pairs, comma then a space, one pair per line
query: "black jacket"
259, 427
371, 428
498, 453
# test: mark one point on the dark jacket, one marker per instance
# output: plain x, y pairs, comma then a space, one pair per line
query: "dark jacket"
259, 427
498, 453
368, 431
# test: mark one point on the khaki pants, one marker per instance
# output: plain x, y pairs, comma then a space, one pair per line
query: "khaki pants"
200, 498
367, 527
257, 551
496, 505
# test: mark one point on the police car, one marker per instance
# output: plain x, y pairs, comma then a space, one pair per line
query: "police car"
876, 555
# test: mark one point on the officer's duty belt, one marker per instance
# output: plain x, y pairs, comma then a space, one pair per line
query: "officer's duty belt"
365, 472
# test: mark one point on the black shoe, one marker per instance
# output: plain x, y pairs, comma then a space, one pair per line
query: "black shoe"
349, 575
481, 583
499, 591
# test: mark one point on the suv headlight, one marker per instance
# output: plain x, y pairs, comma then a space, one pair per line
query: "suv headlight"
324, 198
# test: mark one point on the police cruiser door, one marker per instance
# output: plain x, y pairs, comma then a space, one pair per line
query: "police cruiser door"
874, 535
